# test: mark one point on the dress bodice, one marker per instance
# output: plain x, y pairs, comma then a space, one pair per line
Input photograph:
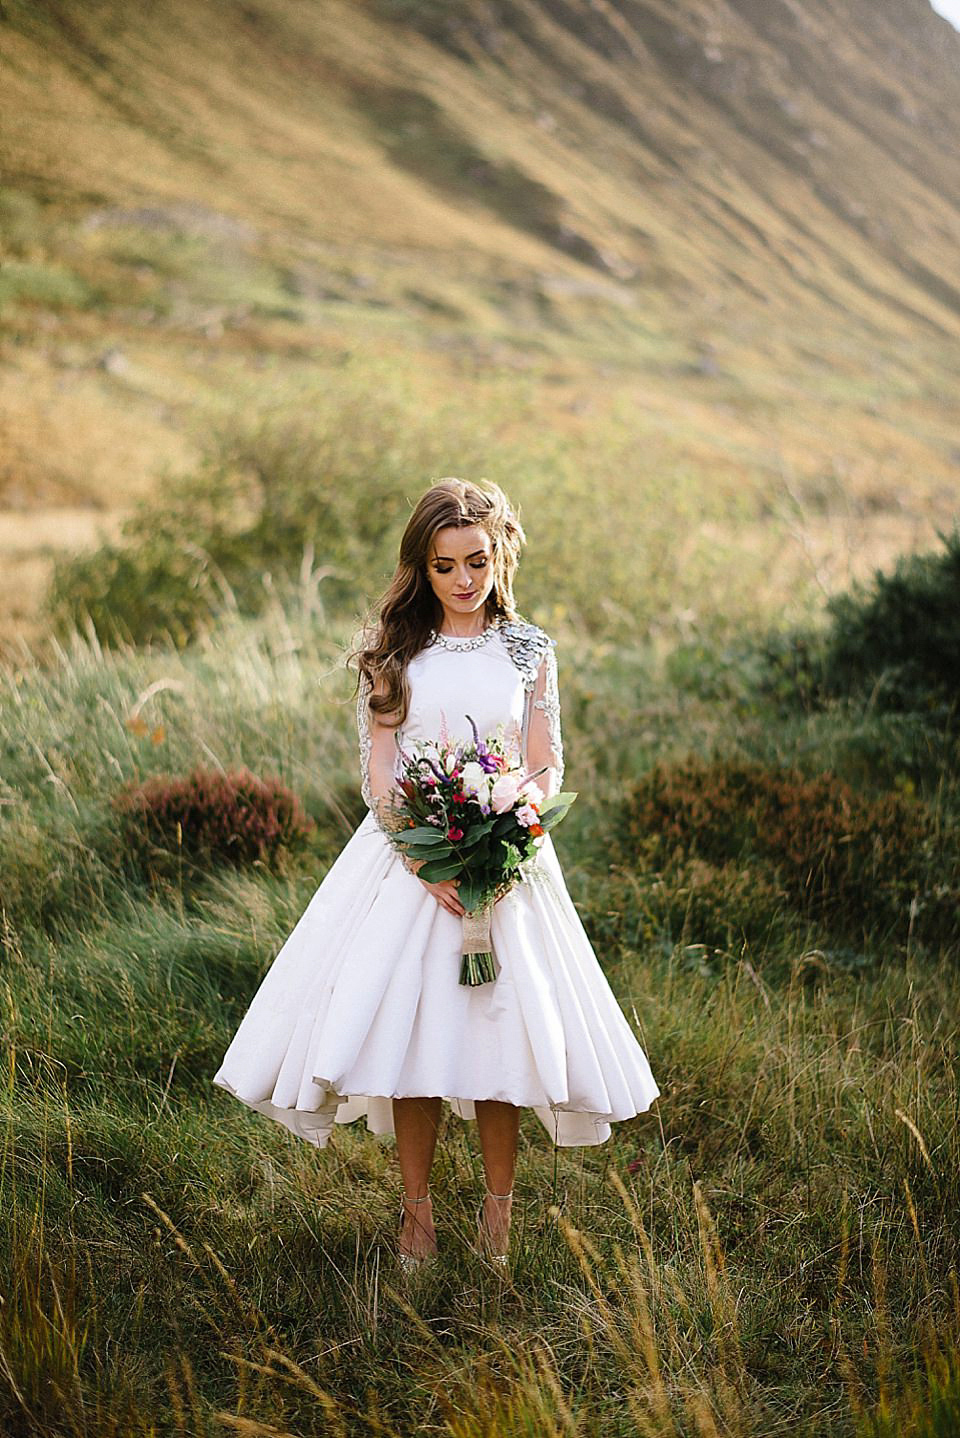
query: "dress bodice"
448, 684
494, 684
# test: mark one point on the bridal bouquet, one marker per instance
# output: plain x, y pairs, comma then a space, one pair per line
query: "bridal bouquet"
471, 813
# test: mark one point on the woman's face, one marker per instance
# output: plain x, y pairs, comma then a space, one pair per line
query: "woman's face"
460, 571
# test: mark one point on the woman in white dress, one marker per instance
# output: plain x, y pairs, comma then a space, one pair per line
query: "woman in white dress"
361, 1013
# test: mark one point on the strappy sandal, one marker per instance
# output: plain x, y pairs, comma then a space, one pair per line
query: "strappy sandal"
409, 1262
500, 1260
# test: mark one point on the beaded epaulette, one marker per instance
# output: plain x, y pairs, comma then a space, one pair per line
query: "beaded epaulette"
527, 644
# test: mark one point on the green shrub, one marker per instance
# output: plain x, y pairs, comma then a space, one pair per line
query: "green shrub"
899, 638
858, 862
894, 643
265, 498
791, 669
208, 817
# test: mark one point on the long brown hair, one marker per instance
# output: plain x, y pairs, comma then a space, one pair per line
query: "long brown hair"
408, 609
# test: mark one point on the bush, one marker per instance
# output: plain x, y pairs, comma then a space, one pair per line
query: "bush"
900, 638
857, 861
722, 907
791, 669
208, 818
894, 643
268, 496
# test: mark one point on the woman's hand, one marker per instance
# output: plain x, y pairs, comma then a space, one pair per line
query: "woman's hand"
445, 892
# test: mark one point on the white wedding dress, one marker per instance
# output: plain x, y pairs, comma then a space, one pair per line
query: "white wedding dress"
363, 1002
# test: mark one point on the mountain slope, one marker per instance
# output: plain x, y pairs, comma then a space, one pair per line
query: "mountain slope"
761, 195
664, 143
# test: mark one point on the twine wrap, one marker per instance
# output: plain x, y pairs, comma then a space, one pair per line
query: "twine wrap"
476, 952
476, 930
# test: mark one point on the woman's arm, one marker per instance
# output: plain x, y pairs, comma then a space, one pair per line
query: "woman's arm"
382, 758
544, 741
382, 755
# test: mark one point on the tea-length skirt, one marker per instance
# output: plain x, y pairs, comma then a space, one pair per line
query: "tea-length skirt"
363, 1003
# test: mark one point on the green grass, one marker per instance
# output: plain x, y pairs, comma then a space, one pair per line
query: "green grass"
772, 1249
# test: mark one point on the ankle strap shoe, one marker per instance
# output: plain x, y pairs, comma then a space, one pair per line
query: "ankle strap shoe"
410, 1263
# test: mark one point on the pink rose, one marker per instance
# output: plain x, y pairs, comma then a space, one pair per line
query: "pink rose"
503, 795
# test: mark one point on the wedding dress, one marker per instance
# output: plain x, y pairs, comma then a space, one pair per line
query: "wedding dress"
363, 1001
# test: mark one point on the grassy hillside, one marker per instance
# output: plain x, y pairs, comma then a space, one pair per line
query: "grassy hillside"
731, 228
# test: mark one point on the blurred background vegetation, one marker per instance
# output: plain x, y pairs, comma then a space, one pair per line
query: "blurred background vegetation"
684, 281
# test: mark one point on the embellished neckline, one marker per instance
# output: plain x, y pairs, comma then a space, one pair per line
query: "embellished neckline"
460, 643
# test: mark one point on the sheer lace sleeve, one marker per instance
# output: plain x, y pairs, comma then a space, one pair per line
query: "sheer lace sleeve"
365, 737
544, 740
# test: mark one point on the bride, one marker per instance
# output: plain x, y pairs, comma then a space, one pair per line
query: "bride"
361, 1013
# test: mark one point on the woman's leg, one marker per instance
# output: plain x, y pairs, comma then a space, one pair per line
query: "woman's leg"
416, 1122
499, 1125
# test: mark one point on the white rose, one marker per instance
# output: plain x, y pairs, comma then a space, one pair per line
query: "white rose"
475, 781
472, 775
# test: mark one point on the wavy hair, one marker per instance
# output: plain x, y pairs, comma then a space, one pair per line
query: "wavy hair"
408, 609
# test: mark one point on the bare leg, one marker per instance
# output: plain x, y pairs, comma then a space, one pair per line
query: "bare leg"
416, 1122
498, 1124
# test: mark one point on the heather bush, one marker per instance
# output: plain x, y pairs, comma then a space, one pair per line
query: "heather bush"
209, 817
858, 862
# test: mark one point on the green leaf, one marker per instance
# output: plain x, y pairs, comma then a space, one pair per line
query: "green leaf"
427, 851
480, 853
426, 834
558, 809
468, 893
562, 800
438, 869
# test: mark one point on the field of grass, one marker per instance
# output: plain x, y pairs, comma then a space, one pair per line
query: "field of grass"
773, 1249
